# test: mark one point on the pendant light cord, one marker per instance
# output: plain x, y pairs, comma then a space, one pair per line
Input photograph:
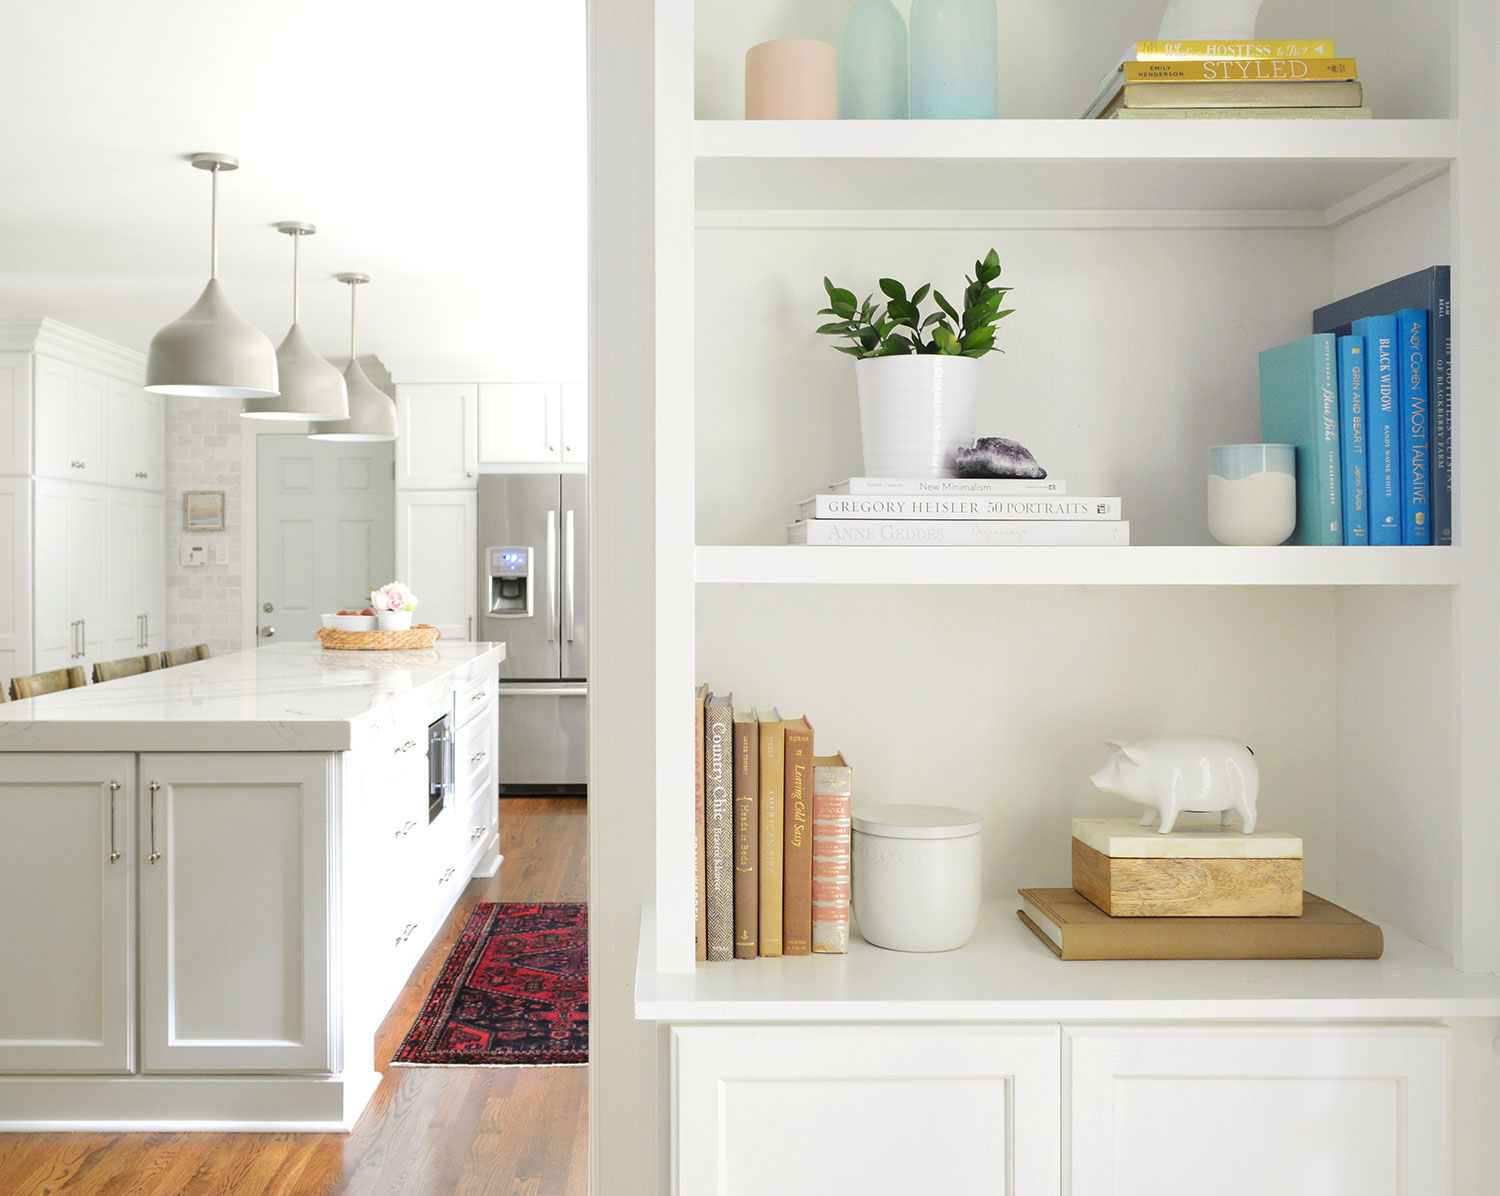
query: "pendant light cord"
213, 225
353, 293
296, 264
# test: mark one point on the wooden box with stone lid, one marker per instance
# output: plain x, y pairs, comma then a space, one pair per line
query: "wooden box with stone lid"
1197, 871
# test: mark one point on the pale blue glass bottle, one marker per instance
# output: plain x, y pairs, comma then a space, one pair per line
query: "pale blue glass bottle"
872, 63
955, 60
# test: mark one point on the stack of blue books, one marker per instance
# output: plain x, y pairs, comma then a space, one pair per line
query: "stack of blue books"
1367, 401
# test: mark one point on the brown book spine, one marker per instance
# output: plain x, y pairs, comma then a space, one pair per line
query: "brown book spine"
700, 891
718, 783
746, 837
796, 910
772, 787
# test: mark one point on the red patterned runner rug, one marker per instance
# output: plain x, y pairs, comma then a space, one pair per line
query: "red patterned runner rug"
513, 992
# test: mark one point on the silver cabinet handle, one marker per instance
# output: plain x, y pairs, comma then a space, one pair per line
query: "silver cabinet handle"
447, 876
476, 757
478, 832
479, 697
407, 829
471, 627
146, 639
155, 855
551, 576
83, 637
407, 746
405, 933
568, 574
114, 788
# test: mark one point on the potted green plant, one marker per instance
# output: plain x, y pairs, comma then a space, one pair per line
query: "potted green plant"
917, 375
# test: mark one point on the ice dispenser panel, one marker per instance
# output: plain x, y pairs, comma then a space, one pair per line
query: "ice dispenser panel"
510, 582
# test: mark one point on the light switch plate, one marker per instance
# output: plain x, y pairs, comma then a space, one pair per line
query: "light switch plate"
194, 555
221, 552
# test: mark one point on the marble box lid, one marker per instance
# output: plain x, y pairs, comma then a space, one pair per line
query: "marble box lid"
1125, 838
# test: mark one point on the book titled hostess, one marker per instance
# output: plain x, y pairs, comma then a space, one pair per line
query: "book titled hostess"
1430, 290
1416, 456
1299, 405
1382, 427
1352, 456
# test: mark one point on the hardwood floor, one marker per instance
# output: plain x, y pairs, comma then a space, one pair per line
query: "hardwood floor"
428, 1131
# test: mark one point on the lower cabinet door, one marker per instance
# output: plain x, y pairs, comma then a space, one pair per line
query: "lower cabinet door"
236, 912
1316, 1111
67, 889
877, 1110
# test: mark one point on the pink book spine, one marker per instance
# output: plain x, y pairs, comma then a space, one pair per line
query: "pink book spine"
830, 863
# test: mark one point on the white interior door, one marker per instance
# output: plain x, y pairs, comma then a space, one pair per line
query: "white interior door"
325, 514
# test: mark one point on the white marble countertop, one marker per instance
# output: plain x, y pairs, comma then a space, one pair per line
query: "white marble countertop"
283, 697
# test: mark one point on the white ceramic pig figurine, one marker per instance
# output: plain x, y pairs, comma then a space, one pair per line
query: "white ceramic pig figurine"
1173, 773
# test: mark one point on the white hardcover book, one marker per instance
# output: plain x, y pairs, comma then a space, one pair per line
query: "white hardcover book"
938, 533
949, 486
954, 506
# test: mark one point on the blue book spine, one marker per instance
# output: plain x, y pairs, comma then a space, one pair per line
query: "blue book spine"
1299, 405
1382, 427
1351, 351
1440, 386
1416, 452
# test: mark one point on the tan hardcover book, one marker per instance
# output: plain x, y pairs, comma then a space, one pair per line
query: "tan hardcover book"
718, 785
700, 891
833, 788
1074, 928
796, 862
1240, 114
772, 786
746, 836
1300, 93
1146, 51
1238, 70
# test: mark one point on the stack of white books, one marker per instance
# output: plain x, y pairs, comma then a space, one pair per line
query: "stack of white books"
956, 511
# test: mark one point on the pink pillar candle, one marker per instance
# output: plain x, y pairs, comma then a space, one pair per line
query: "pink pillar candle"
792, 79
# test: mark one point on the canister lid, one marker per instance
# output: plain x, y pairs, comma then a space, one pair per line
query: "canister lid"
917, 822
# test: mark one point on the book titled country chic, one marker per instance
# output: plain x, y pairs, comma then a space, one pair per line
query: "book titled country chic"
937, 533
955, 506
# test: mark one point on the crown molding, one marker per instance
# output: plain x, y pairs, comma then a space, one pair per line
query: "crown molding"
49, 336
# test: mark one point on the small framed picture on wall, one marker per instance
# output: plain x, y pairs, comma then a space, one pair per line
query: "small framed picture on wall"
203, 511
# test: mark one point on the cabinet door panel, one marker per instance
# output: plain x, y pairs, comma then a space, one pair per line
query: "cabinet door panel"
519, 423
435, 554
575, 422
54, 643
15, 583
86, 427
805, 1111
15, 413
68, 936
54, 402
121, 421
121, 581
436, 437
150, 439
86, 565
151, 569
1326, 1111
235, 967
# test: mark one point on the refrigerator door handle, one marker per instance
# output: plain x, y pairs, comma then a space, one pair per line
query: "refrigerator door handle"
551, 576
568, 574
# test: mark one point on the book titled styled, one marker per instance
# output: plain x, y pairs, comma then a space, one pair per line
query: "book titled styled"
833, 787
1236, 70
1299, 405
956, 506
991, 486
1382, 427
1416, 457
746, 836
970, 532
772, 786
1352, 455
1074, 928
718, 783
700, 888
796, 856
1432, 290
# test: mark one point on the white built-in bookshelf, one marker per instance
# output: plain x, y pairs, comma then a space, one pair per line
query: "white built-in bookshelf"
1151, 262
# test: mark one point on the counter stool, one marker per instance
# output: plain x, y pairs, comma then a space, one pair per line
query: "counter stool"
127, 666
47, 683
173, 657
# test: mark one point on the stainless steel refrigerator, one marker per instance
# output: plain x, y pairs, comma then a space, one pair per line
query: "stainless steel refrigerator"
533, 596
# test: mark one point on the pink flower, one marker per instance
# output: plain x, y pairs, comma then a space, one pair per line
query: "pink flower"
392, 596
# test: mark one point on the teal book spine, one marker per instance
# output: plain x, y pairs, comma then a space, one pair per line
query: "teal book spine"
1416, 448
1299, 405
1351, 351
1382, 427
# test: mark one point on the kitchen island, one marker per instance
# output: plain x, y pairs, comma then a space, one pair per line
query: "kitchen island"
215, 879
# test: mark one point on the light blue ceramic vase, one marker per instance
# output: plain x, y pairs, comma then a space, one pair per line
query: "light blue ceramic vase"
872, 63
955, 60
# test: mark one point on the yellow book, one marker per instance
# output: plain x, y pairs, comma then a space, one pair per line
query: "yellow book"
1239, 70
772, 785
1150, 51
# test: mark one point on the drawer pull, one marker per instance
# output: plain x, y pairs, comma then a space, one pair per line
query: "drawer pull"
406, 933
406, 829
446, 876
478, 832
480, 696
114, 788
155, 855
476, 757
407, 746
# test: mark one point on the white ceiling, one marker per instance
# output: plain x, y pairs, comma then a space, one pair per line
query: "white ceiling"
438, 146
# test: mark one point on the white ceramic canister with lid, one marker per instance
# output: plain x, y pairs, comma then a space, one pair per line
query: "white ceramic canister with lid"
916, 876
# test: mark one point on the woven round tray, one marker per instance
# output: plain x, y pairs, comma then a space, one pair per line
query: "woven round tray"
423, 635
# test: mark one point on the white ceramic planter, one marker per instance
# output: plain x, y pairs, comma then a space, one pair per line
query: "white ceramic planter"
1209, 20
916, 876
915, 413
393, 620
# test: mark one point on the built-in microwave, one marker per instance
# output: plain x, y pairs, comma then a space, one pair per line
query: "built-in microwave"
440, 773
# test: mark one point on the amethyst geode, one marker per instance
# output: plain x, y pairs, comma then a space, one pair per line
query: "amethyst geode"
997, 457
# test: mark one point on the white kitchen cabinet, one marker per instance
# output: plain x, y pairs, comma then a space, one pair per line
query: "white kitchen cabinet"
879, 1110
437, 437
86, 569
15, 583
151, 571
15, 413
575, 422
69, 421
520, 423
248, 833
69, 574
67, 882
436, 555
137, 437
1242, 1111
134, 572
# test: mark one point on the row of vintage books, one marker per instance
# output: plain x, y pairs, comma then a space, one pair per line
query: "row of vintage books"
773, 826
1197, 80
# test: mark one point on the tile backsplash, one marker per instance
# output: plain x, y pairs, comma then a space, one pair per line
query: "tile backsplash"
203, 453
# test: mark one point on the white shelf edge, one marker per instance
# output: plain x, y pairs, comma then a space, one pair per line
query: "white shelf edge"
1006, 974
1206, 565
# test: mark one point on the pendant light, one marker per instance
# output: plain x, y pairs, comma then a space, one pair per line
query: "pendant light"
372, 413
311, 389
210, 351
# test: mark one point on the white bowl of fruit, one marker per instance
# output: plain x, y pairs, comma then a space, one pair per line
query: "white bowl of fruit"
351, 620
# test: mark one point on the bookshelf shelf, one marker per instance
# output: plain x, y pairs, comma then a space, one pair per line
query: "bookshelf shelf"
1007, 974
1287, 173
1207, 565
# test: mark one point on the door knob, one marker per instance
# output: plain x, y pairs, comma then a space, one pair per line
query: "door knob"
268, 632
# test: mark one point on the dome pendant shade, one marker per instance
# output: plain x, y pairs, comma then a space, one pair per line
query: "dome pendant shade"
311, 388
372, 412
212, 352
